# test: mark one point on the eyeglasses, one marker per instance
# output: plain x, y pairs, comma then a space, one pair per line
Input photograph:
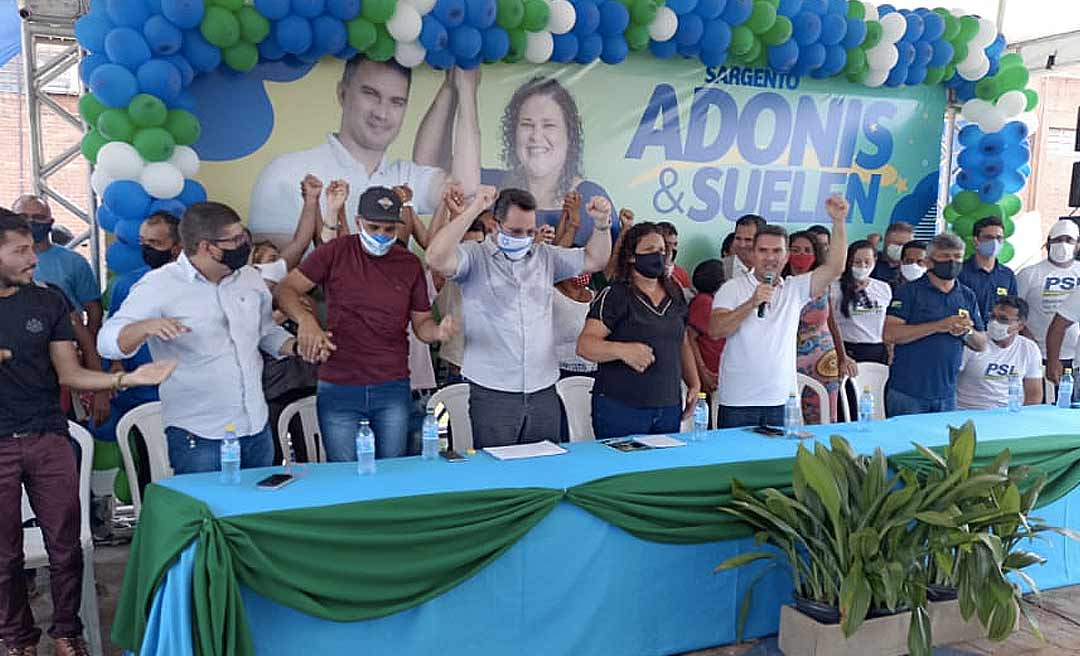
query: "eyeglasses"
989, 238
1004, 319
237, 241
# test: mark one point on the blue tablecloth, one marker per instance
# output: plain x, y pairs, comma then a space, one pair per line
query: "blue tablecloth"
574, 584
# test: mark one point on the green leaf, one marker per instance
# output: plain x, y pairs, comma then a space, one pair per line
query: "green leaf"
1010, 501
1003, 621
1019, 559
931, 455
819, 478
919, 636
747, 600
743, 559
961, 451
854, 599
946, 518
1033, 622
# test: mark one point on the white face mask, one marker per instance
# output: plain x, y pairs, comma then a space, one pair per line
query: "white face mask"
894, 252
514, 248
273, 271
1061, 253
997, 331
377, 245
861, 273
912, 272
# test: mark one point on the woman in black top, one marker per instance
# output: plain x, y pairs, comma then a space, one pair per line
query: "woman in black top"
636, 332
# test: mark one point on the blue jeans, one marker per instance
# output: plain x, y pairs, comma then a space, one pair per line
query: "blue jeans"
737, 416
191, 454
611, 418
341, 407
898, 403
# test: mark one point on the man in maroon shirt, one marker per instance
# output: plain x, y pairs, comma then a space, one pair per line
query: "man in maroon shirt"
374, 289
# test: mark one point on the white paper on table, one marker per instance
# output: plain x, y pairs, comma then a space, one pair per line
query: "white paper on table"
659, 441
519, 451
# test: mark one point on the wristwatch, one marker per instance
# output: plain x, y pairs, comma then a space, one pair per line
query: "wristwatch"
408, 204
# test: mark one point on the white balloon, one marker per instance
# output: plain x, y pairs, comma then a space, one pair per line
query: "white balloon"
992, 121
538, 46
409, 53
871, 11
100, 180
893, 27
986, 34
975, 67
875, 77
1031, 120
882, 57
186, 160
405, 24
1011, 104
974, 109
422, 7
663, 27
120, 161
162, 180
561, 17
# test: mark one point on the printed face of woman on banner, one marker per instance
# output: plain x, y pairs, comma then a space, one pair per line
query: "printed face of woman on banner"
542, 140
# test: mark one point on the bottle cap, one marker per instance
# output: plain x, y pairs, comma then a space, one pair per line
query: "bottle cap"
230, 428
702, 395
866, 388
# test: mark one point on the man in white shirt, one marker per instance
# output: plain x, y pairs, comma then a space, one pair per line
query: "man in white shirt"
373, 97
741, 259
212, 314
1045, 286
984, 375
758, 314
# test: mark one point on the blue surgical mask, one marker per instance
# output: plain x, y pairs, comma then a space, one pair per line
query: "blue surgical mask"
377, 245
989, 248
514, 248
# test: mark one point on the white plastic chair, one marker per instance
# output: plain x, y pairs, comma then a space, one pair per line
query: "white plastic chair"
576, 396
145, 418
872, 375
34, 542
802, 381
456, 400
309, 423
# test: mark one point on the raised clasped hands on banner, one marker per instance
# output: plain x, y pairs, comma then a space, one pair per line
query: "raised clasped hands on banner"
837, 208
336, 195
310, 188
484, 198
571, 208
463, 81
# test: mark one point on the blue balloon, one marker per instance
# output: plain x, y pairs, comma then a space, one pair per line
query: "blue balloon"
1015, 156
330, 34
185, 101
192, 193
309, 56
907, 53
126, 199
589, 48
308, 8
106, 218
153, 7
790, 8
465, 42
970, 179
614, 19
615, 48
897, 76
965, 89
807, 28
480, 13
496, 43
833, 29
690, 30
924, 52
712, 56
737, 11
680, 7
708, 10
187, 73
689, 52
1025, 170
293, 34
885, 9
663, 49
127, 230
439, 59
914, 28
127, 13
113, 85
835, 60
345, 10
158, 77
162, 36
717, 36
995, 66
124, 258
996, 48
346, 53
89, 64
588, 20
992, 144
970, 158
202, 56
811, 57
469, 63
565, 48
916, 75
185, 14
1015, 132
450, 13
819, 7
992, 191
169, 206
275, 10
90, 30
1012, 181
782, 58
992, 167
970, 135
269, 50
126, 47
933, 26
855, 34
943, 53
433, 35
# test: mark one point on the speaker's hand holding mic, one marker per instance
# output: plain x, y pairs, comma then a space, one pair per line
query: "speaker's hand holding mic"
764, 293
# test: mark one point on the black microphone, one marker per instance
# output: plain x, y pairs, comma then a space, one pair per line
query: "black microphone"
761, 308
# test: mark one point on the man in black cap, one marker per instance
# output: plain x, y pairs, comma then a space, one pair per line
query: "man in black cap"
374, 289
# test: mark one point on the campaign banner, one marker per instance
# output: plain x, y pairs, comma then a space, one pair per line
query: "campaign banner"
670, 139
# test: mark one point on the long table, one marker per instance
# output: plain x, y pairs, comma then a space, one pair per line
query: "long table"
573, 583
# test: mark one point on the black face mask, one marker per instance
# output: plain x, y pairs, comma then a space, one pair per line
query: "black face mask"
650, 265
947, 270
40, 231
154, 258
234, 258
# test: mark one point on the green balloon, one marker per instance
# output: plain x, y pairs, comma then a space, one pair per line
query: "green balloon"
154, 144
517, 46
950, 213
859, 77
762, 60
964, 224
742, 40
934, 76
509, 14
361, 34
960, 53
873, 35
642, 12
966, 201
856, 10
1010, 205
1007, 253
969, 27
383, 48
253, 27
536, 15
1032, 99
1014, 78
106, 455
90, 108
754, 53
1009, 226
761, 18
115, 125
91, 143
1010, 60
987, 89
950, 71
989, 209
230, 5
183, 126
147, 111
219, 27
379, 11
121, 488
856, 61
952, 26
637, 36
969, 247
241, 57
779, 33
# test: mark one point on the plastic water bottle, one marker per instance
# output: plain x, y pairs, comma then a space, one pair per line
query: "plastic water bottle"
792, 417
430, 443
230, 457
1065, 390
365, 449
701, 418
1016, 393
866, 409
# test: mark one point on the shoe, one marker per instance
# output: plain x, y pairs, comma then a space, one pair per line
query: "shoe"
29, 650
74, 646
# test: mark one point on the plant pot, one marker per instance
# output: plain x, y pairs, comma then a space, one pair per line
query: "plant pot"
874, 613
802, 635
949, 625
935, 592
822, 612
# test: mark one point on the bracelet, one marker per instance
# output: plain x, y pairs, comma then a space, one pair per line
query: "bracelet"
408, 204
118, 383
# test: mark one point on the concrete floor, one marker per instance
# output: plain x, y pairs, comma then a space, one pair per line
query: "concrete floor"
1059, 618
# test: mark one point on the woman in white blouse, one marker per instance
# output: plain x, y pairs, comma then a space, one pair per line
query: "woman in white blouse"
859, 305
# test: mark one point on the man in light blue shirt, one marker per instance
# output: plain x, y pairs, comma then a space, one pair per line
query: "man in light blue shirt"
212, 314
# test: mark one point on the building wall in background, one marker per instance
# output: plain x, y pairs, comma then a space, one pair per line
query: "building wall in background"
1052, 152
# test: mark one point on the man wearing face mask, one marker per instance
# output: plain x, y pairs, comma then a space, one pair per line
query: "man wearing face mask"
375, 288
888, 264
982, 273
212, 314
671, 251
507, 285
1045, 286
912, 256
984, 375
159, 239
930, 321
